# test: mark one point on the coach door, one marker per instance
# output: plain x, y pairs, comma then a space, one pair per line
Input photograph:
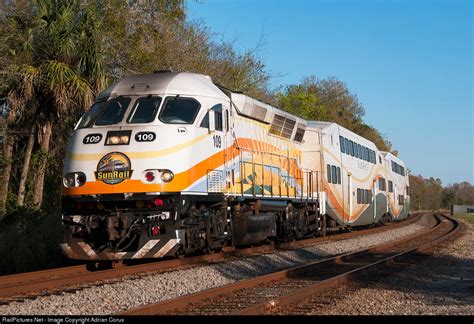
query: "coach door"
374, 197
349, 199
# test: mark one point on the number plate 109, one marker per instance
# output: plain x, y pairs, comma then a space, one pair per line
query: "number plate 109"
145, 137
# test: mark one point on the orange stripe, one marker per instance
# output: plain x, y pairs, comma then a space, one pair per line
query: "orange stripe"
180, 182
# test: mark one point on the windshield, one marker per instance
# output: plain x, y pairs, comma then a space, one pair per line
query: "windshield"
145, 110
178, 110
113, 111
89, 117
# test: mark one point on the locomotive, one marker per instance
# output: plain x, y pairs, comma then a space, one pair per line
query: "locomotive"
168, 164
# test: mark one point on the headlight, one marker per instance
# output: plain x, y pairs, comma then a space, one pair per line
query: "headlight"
118, 137
166, 175
74, 179
80, 179
118, 140
113, 140
69, 180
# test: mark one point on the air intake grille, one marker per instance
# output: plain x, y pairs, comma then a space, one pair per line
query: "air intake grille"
282, 126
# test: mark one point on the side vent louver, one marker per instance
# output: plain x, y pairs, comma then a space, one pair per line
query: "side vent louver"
282, 126
299, 133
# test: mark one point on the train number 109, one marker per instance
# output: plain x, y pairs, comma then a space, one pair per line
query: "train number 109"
145, 137
92, 139
217, 141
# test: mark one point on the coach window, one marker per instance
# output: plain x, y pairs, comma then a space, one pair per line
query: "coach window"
360, 151
390, 186
329, 173
358, 196
346, 141
351, 148
382, 184
113, 111
145, 110
338, 175
334, 175
356, 150
341, 143
401, 200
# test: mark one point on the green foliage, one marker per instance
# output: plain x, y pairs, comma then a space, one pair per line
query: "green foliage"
467, 216
329, 100
429, 194
29, 241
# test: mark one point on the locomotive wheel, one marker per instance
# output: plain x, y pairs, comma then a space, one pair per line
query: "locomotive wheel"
93, 266
117, 264
180, 254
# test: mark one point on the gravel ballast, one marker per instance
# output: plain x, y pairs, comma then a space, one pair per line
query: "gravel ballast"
442, 284
133, 292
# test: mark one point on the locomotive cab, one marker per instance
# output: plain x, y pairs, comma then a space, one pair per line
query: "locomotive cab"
134, 162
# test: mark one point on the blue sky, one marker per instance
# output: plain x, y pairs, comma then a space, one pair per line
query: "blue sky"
409, 63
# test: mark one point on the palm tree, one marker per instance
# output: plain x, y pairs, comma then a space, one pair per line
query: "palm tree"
59, 70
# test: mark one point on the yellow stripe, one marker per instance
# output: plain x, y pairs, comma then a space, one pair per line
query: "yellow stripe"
138, 155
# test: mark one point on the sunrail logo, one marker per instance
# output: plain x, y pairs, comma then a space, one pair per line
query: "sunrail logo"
114, 168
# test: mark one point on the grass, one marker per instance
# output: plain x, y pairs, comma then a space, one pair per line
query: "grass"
466, 216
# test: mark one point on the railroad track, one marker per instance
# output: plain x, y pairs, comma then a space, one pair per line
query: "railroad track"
35, 283
285, 290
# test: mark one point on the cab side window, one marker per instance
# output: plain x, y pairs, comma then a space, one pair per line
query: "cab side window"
217, 109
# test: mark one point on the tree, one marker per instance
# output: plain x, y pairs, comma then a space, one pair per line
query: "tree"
153, 36
59, 69
329, 100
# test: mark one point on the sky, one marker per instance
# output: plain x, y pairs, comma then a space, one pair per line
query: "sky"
410, 63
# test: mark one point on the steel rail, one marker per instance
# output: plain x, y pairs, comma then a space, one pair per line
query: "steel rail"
39, 282
344, 278
180, 304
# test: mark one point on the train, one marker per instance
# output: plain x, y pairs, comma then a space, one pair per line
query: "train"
172, 164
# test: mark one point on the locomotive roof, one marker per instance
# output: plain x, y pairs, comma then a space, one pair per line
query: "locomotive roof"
182, 83
193, 84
